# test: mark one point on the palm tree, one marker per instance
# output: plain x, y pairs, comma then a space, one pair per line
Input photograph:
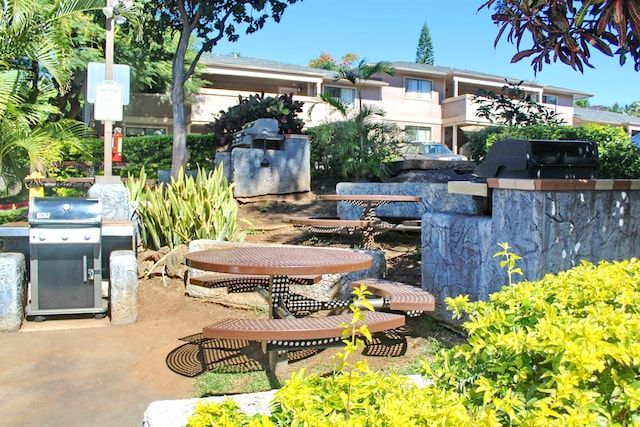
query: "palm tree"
358, 77
35, 47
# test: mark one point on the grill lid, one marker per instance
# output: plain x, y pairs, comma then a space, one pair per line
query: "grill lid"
261, 129
522, 158
64, 211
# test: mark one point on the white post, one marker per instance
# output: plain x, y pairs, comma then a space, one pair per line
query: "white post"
108, 75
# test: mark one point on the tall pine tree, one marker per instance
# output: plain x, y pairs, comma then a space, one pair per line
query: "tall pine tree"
424, 54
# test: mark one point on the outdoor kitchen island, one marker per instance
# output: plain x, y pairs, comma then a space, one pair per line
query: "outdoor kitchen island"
553, 224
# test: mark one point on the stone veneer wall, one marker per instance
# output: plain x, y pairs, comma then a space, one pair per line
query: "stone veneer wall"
435, 198
552, 224
289, 169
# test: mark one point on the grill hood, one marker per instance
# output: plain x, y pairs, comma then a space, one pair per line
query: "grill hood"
536, 159
64, 211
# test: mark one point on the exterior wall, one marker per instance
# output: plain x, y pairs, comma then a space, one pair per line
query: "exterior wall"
449, 105
413, 112
552, 224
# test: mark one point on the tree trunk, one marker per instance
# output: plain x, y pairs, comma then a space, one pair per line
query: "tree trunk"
180, 154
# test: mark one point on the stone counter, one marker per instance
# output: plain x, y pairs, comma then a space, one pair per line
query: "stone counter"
434, 198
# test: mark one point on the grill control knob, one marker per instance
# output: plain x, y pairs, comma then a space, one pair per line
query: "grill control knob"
66, 207
65, 237
42, 237
87, 236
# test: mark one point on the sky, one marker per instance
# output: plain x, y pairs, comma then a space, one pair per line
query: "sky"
388, 30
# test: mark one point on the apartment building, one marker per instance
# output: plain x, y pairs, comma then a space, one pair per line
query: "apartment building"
431, 103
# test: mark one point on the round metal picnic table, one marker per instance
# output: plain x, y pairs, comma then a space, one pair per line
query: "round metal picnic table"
279, 260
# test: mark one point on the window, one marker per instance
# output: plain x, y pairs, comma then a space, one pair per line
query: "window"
284, 90
550, 99
419, 89
140, 131
346, 95
417, 134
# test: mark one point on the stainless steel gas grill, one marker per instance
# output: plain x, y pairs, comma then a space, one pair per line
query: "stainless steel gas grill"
65, 251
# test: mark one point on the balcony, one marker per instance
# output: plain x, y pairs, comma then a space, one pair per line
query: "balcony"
461, 111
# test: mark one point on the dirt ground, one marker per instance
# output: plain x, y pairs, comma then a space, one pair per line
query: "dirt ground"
161, 297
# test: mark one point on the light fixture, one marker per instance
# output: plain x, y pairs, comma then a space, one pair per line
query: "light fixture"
108, 11
119, 19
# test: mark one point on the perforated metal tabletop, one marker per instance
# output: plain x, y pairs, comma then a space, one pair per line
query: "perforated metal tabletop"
279, 260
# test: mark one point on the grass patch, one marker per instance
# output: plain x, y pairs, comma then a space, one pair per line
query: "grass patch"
216, 383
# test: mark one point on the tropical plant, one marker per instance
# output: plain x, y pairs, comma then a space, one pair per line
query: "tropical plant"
335, 150
282, 108
513, 107
210, 21
565, 30
35, 47
188, 209
359, 147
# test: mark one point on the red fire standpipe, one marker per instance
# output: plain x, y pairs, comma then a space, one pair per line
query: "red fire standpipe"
116, 145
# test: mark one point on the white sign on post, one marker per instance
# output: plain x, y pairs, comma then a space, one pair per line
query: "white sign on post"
108, 104
96, 74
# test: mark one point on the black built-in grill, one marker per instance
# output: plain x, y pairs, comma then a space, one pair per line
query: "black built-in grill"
540, 159
66, 256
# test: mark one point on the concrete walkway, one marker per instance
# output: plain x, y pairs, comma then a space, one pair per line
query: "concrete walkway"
83, 373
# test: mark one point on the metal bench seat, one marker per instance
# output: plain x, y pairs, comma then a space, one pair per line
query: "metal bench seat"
297, 329
402, 297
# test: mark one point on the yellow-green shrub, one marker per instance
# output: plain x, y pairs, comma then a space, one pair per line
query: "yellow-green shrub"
188, 209
562, 351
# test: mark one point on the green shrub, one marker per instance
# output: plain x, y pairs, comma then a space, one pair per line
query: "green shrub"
335, 149
189, 209
150, 152
619, 158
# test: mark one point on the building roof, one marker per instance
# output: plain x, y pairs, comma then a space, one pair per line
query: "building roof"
433, 70
452, 72
267, 64
606, 117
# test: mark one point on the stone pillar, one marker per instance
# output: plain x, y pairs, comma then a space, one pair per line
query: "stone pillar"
124, 287
114, 198
12, 290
